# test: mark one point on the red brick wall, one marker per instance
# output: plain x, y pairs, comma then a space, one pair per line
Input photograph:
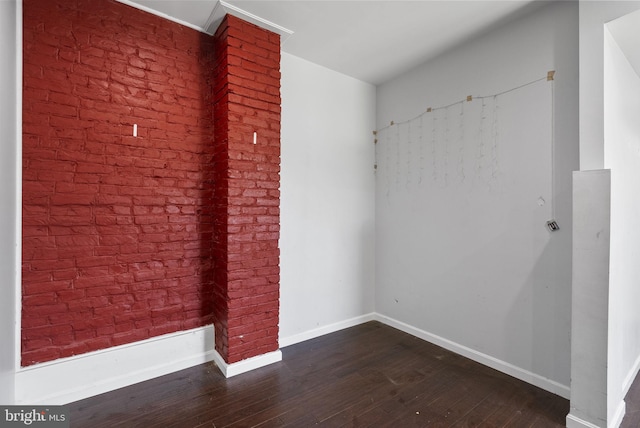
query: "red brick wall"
247, 100
117, 230
126, 238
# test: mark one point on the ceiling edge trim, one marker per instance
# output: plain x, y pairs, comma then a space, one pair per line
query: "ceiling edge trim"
161, 15
223, 8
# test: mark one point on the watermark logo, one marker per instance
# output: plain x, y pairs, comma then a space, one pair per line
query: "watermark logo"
34, 416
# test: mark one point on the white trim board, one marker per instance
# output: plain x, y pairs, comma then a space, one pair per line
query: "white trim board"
327, 329
220, 9
223, 8
575, 422
70, 379
244, 366
75, 378
618, 416
161, 15
487, 360
631, 376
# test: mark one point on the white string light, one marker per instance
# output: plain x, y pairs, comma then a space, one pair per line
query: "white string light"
461, 148
409, 155
398, 157
472, 98
480, 157
487, 159
421, 145
446, 146
434, 121
388, 162
496, 135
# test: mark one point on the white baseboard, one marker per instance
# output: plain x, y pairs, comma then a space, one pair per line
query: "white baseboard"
575, 422
321, 331
234, 369
502, 366
70, 379
631, 376
618, 416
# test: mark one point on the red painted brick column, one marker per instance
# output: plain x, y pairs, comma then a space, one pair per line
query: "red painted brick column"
247, 197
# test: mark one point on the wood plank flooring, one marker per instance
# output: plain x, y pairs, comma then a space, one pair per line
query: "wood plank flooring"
370, 375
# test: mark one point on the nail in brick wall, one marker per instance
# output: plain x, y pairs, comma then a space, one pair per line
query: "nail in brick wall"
247, 196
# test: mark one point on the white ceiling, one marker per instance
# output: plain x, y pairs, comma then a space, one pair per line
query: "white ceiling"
370, 40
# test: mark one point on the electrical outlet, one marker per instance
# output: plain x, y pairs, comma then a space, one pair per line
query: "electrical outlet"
553, 225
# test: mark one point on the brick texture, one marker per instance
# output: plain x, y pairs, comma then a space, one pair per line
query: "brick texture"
247, 216
117, 230
127, 238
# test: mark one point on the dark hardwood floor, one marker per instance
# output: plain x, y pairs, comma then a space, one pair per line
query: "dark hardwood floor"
370, 375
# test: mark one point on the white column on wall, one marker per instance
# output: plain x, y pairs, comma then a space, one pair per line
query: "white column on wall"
590, 298
9, 192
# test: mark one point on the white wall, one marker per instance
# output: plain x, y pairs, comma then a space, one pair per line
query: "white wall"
462, 251
593, 16
8, 195
327, 200
622, 156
